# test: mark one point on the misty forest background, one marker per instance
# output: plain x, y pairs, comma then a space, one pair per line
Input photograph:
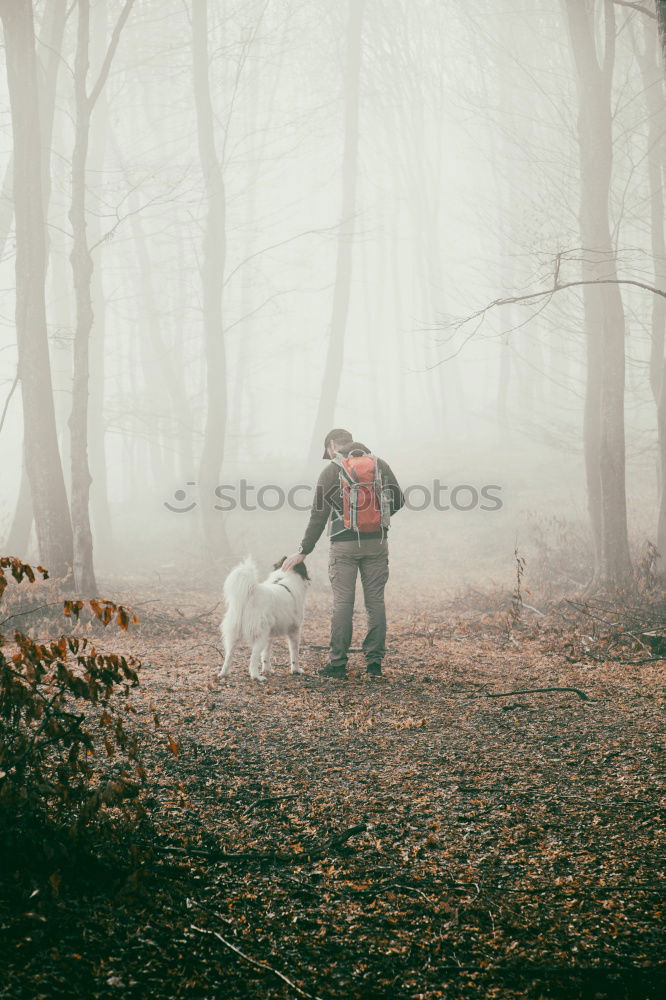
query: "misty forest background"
226, 227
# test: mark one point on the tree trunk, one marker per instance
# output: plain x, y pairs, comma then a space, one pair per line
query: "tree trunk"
19, 533
184, 415
661, 23
392, 249
47, 78
242, 406
170, 384
341, 293
52, 35
42, 458
82, 270
604, 313
653, 85
99, 500
212, 278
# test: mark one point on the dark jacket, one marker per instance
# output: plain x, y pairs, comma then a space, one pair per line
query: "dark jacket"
327, 503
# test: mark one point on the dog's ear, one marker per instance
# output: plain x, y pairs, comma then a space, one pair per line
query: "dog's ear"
278, 565
300, 568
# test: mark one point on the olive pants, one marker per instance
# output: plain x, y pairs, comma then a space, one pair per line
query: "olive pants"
370, 558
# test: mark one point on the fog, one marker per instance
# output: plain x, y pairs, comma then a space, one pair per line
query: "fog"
301, 215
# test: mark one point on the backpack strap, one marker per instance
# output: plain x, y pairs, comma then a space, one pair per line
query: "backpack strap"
349, 476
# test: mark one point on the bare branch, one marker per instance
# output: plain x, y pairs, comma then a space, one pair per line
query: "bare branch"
128, 215
636, 6
239, 72
274, 246
544, 293
8, 400
110, 53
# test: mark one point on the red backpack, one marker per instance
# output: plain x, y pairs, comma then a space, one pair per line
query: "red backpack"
364, 507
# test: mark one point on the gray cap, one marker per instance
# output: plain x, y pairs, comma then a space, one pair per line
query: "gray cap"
339, 435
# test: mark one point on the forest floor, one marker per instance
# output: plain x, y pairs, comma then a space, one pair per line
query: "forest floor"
405, 837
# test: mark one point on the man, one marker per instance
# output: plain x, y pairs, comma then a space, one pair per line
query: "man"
351, 552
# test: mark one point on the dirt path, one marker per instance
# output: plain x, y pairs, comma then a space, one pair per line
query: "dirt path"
403, 838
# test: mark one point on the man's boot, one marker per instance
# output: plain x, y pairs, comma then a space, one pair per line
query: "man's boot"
332, 671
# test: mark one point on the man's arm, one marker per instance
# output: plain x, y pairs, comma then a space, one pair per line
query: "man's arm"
318, 518
396, 496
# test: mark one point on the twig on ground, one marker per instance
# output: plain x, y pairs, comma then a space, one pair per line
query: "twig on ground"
507, 694
253, 961
409, 888
535, 610
341, 838
267, 799
335, 842
206, 909
315, 645
202, 614
614, 659
31, 611
209, 645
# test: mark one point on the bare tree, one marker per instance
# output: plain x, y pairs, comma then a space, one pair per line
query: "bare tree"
42, 458
604, 431
343, 269
170, 386
212, 277
82, 271
99, 130
51, 39
652, 71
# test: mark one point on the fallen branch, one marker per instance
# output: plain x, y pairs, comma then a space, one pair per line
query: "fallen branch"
530, 607
255, 962
196, 618
614, 659
334, 843
267, 799
647, 659
31, 611
507, 694
315, 645
341, 838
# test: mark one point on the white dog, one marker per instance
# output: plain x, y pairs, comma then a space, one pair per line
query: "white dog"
259, 612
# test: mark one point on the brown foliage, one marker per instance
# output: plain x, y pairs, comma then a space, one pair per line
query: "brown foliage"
64, 748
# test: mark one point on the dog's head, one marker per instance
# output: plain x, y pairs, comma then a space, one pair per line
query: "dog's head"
299, 568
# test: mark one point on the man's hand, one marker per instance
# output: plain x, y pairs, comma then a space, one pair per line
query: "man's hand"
291, 561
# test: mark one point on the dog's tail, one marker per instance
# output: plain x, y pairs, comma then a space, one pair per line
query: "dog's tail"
239, 588
241, 583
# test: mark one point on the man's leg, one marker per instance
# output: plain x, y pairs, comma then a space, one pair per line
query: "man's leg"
374, 568
342, 569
